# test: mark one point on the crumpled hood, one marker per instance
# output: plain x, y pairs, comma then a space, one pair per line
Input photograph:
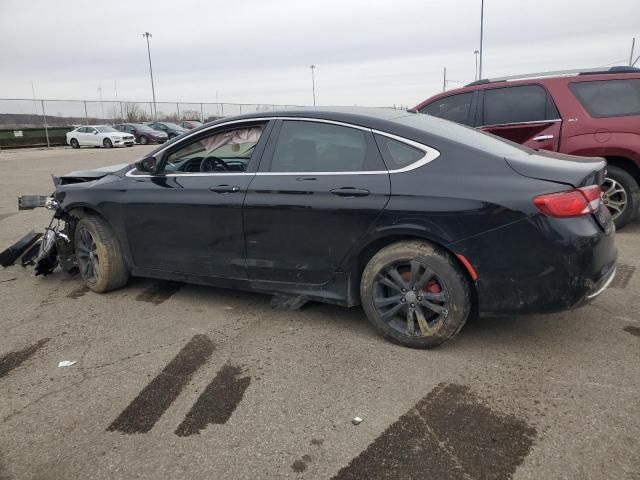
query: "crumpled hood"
88, 175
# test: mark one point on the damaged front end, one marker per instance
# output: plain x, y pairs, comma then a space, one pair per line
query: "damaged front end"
48, 250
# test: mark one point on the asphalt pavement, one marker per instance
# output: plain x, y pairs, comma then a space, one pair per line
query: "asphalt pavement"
179, 381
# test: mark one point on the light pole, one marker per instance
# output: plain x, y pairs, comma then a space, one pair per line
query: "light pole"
153, 90
481, 37
475, 73
313, 83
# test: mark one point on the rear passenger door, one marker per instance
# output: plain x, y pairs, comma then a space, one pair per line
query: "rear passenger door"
319, 188
524, 114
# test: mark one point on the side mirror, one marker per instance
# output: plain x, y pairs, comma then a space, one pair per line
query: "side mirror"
95, 133
147, 165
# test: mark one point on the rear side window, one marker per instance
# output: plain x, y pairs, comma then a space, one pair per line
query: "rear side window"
454, 107
526, 103
609, 98
397, 154
319, 147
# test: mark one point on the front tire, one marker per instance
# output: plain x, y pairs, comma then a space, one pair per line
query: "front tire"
107, 143
415, 294
99, 255
621, 195
143, 140
74, 143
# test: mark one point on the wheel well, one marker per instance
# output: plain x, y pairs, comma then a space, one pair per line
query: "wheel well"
374, 247
627, 165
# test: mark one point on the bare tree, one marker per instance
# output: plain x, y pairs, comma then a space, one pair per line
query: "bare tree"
134, 114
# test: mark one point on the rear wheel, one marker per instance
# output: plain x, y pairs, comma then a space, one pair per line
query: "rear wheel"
621, 195
415, 294
107, 143
143, 140
74, 143
99, 255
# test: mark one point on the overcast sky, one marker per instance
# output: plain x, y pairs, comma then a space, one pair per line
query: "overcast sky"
369, 52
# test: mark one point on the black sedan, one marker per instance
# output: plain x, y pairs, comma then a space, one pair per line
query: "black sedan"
171, 129
420, 220
143, 134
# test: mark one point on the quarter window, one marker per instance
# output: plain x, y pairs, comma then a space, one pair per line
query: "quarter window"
609, 98
220, 152
527, 103
397, 154
320, 147
454, 107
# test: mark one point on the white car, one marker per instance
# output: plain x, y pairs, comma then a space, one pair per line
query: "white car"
99, 136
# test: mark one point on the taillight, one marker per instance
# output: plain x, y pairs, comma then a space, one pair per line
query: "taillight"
572, 203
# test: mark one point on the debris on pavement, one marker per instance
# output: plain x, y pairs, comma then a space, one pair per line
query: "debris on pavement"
66, 363
356, 420
288, 302
9, 256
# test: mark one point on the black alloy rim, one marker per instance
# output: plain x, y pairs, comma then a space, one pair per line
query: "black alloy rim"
411, 298
88, 260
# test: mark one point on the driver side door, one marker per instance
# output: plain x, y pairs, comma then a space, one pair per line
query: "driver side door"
187, 219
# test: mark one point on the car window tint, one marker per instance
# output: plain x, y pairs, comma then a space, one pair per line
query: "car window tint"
609, 98
220, 152
319, 147
527, 103
454, 107
397, 154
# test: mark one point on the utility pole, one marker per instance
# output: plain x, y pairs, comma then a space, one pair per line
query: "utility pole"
481, 37
313, 83
33, 93
444, 80
475, 73
633, 46
101, 104
153, 89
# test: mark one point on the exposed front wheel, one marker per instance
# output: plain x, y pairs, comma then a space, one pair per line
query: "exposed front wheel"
99, 255
74, 143
107, 143
621, 196
415, 294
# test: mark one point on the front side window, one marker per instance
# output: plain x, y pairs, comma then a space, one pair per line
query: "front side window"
319, 147
222, 152
454, 107
526, 103
609, 98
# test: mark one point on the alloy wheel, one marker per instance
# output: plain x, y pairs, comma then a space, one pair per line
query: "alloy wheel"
411, 298
88, 260
614, 196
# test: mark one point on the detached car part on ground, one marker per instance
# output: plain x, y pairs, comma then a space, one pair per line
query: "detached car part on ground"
422, 221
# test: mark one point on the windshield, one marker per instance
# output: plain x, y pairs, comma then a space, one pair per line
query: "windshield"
105, 129
173, 126
142, 127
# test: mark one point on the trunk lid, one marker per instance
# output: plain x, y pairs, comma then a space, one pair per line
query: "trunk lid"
559, 167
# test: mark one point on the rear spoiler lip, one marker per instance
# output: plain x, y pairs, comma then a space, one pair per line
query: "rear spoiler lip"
563, 169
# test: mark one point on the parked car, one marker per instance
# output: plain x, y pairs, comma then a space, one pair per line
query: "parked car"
98, 136
142, 133
190, 124
171, 129
420, 220
587, 112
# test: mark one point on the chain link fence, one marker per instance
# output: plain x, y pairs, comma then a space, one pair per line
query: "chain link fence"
38, 122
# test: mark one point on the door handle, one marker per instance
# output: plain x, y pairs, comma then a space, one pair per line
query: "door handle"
350, 192
541, 138
225, 189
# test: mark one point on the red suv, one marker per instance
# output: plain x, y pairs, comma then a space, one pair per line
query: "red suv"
588, 113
